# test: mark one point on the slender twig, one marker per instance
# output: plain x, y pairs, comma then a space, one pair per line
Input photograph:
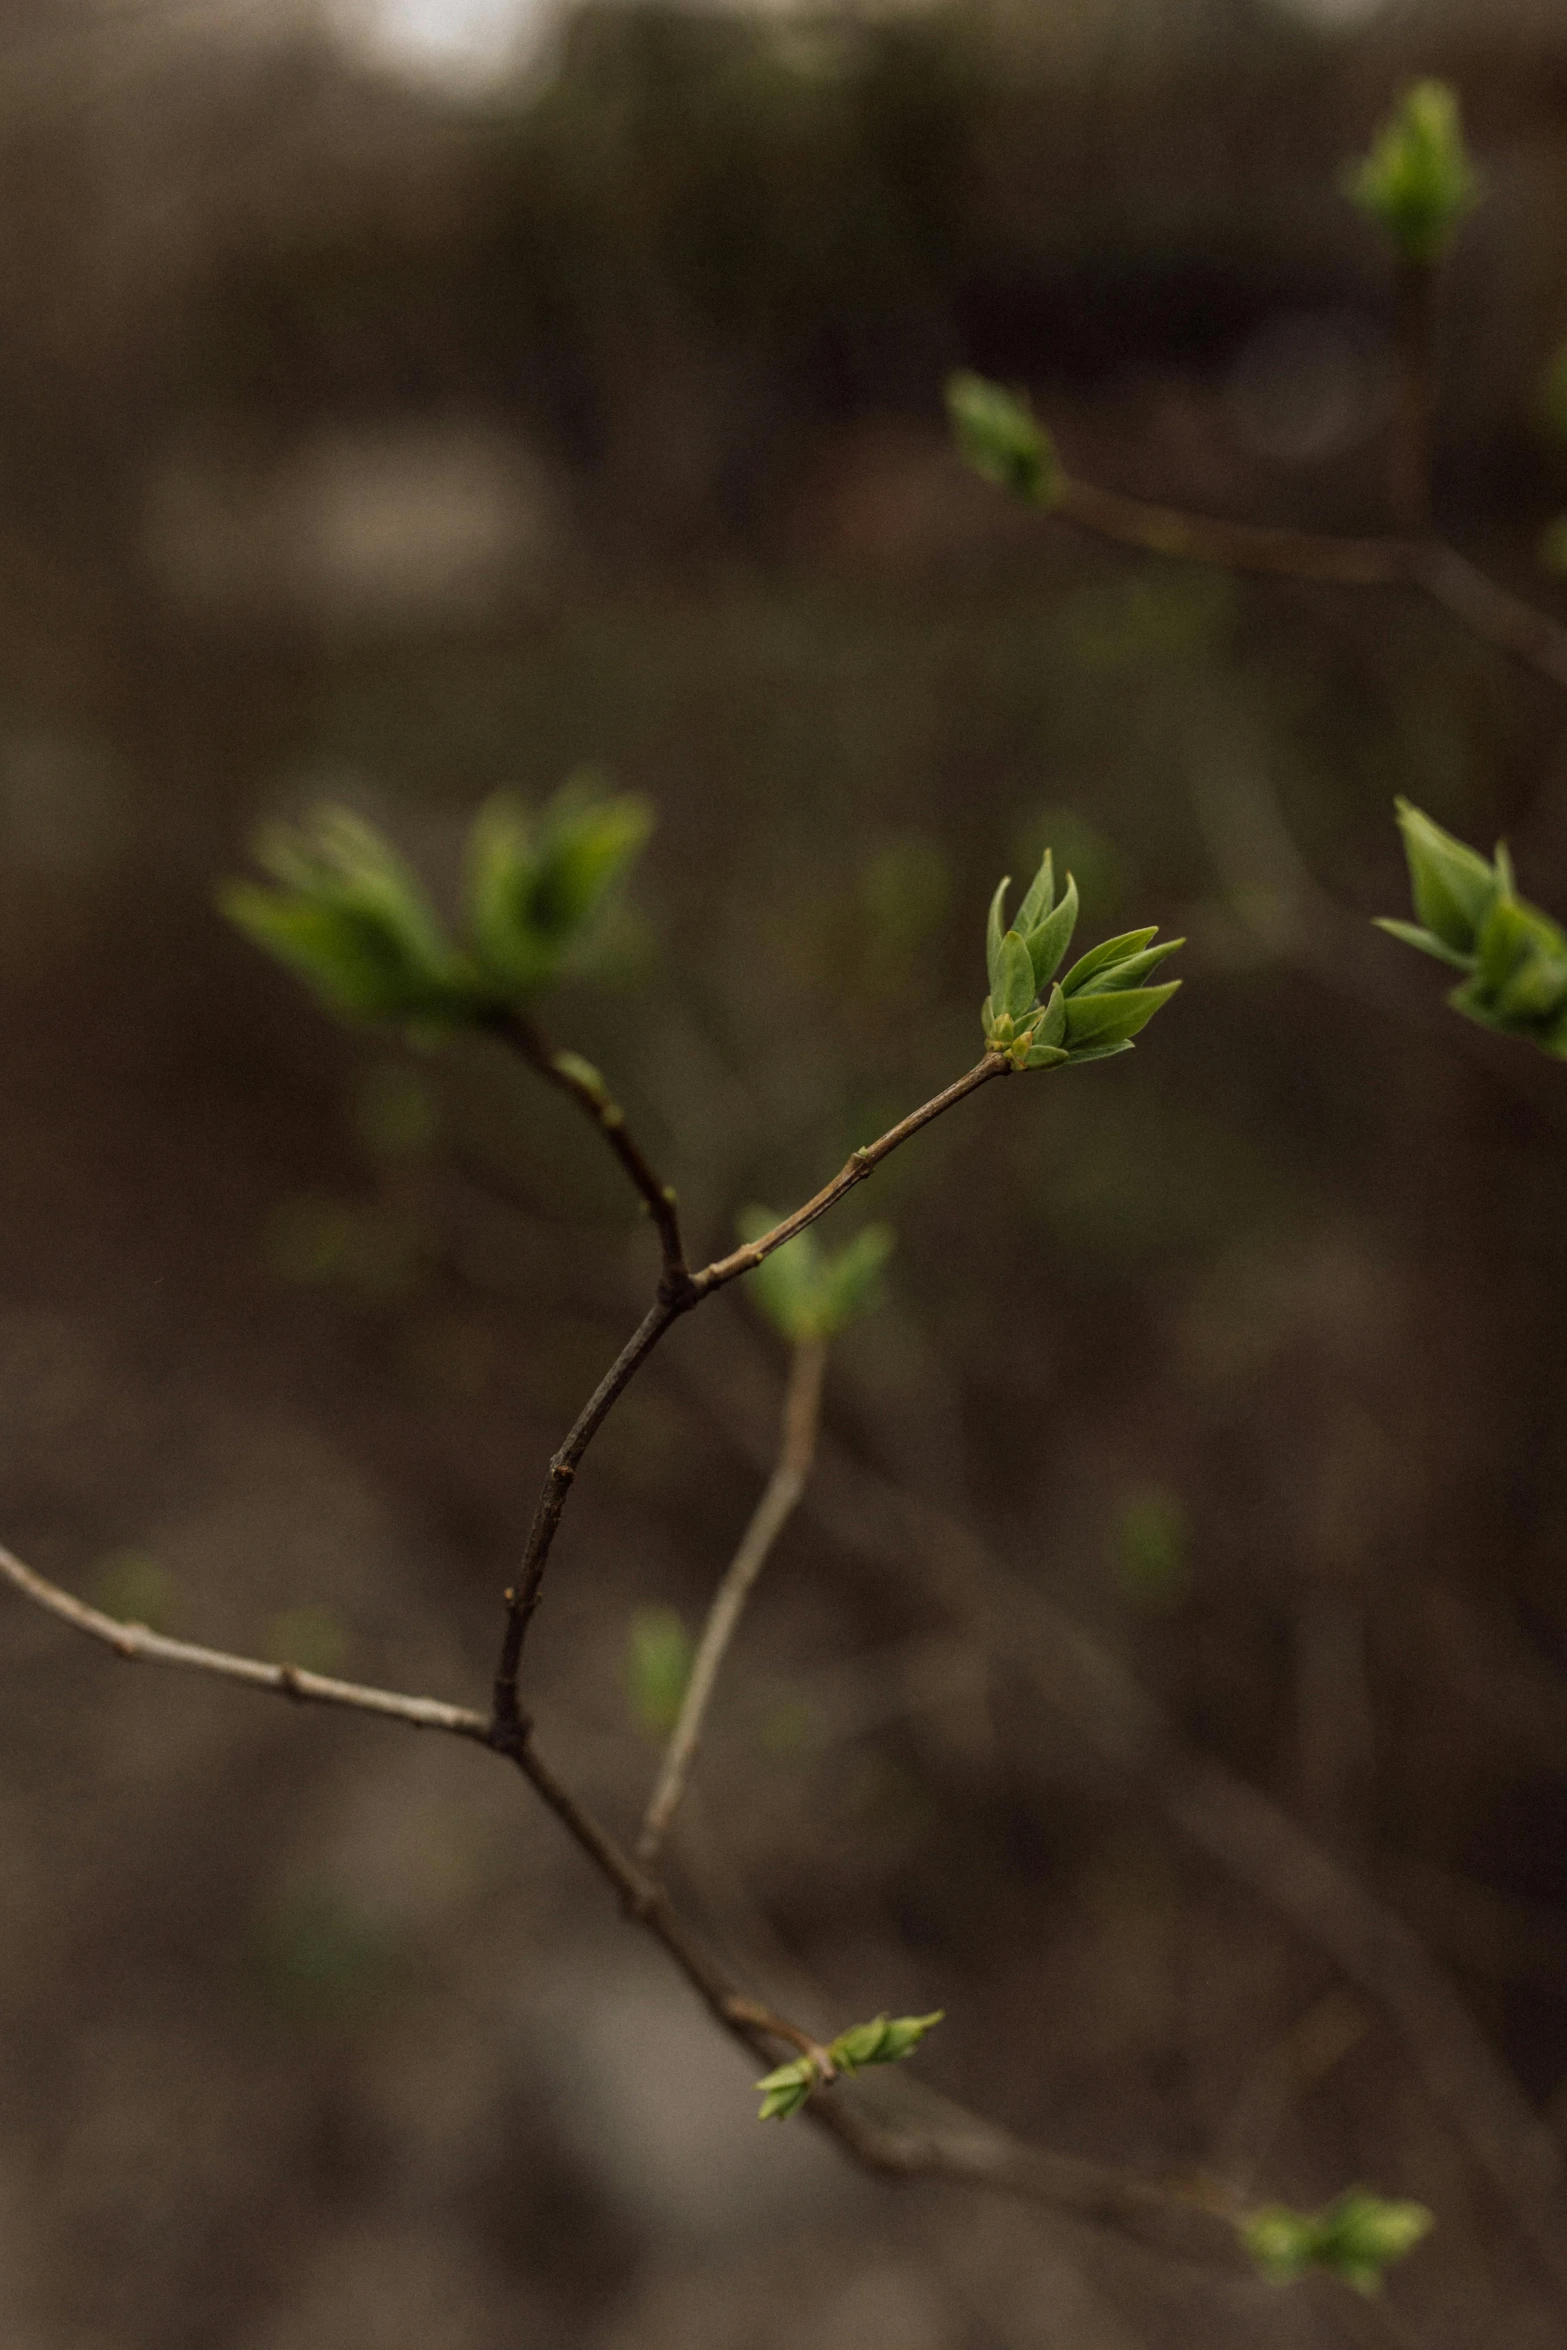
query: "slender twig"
860, 1164
1212, 1808
797, 1449
1414, 398
523, 1598
586, 1088
1437, 570
137, 1644
967, 2150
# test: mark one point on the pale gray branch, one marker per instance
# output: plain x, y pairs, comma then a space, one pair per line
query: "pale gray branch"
797, 1450
137, 1644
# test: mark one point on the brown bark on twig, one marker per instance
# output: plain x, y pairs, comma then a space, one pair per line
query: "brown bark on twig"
523, 1598
971, 2151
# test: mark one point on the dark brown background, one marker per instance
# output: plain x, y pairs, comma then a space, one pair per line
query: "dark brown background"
366, 439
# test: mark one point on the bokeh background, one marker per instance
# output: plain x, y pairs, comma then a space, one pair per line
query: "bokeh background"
412, 400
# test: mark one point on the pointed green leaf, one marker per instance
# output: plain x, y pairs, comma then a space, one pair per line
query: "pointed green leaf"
1100, 1052
1453, 886
1017, 977
1132, 971
1039, 898
1426, 940
1045, 1056
1109, 950
1048, 942
1099, 1020
993, 935
1051, 1030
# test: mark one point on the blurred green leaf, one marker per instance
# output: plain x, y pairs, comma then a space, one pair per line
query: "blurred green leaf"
659, 1651
1472, 919
538, 880
132, 1586
998, 434
310, 1637
1417, 182
346, 915
1152, 1549
1355, 2238
321, 1959
809, 1291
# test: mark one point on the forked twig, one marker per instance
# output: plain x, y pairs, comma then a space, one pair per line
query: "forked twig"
797, 1450
523, 1598
970, 2150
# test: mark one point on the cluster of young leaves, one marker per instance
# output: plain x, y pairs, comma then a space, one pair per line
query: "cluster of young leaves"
885, 2040
1417, 183
1354, 2238
998, 434
807, 1290
1513, 957
345, 913
1099, 1006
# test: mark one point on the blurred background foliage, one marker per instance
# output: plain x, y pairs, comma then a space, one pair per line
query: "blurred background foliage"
401, 440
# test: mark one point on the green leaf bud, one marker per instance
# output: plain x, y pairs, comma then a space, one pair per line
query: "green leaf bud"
885, 2040
998, 434
785, 2091
1355, 2238
1417, 182
1515, 956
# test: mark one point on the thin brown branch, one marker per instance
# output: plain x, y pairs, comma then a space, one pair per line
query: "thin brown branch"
862, 1163
1213, 1809
1487, 611
1232, 546
523, 1598
594, 1099
969, 2150
796, 1451
137, 1644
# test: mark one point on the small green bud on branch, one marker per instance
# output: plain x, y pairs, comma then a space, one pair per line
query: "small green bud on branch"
885, 2040
1513, 956
998, 434
1417, 182
1094, 1011
1355, 2238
